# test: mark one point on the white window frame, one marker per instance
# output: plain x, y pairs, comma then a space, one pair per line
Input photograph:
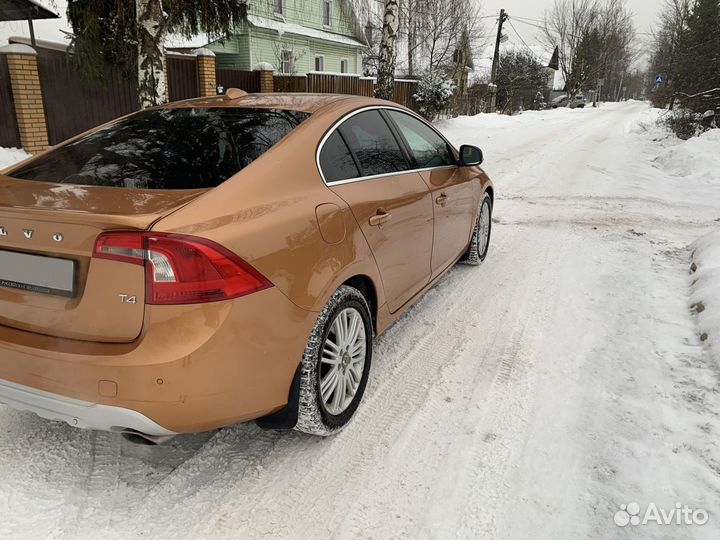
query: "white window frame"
347, 65
322, 62
329, 4
290, 61
280, 13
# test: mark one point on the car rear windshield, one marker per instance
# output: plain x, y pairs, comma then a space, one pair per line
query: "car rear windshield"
182, 148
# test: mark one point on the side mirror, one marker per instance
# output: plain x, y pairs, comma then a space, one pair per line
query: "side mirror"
470, 155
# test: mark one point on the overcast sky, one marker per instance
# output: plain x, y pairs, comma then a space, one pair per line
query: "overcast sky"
644, 11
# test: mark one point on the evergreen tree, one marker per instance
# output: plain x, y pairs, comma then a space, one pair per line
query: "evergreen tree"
131, 33
696, 61
520, 78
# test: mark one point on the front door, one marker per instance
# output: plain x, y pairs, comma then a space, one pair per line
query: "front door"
450, 188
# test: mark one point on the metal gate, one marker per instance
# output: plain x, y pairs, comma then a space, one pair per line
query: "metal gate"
73, 104
183, 80
8, 126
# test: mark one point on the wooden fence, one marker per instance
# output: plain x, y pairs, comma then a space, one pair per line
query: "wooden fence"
8, 126
182, 74
328, 83
290, 83
235, 78
314, 82
73, 104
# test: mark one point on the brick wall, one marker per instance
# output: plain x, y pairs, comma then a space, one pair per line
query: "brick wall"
27, 95
206, 73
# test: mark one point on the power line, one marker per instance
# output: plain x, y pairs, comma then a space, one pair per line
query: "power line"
518, 33
529, 19
529, 23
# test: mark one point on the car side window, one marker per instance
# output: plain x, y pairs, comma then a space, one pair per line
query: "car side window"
374, 145
427, 147
336, 162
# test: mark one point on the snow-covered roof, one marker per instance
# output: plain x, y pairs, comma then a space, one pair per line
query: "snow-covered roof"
17, 10
292, 28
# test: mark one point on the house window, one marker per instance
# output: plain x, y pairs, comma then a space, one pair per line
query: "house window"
279, 7
343, 65
287, 62
327, 12
319, 63
369, 33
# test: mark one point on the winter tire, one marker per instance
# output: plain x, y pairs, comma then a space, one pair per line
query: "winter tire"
480, 241
335, 364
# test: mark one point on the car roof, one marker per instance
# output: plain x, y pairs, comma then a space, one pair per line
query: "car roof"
300, 101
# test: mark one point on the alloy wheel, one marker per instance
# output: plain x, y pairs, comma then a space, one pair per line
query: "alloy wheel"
342, 361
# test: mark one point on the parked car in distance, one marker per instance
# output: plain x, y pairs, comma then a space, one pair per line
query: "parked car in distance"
564, 101
226, 259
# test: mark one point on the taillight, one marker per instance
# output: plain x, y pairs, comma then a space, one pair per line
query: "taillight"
181, 269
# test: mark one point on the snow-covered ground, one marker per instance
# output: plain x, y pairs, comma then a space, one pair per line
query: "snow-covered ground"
8, 156
705, 297
527, 398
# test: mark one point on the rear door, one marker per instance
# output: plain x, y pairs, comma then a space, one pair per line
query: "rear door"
363, 162
451, 189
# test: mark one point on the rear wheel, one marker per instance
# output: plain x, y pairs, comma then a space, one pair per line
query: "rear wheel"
335, 364
480, 241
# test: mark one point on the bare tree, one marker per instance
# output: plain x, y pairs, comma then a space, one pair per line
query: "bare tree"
594, 40
439, 28
567, 24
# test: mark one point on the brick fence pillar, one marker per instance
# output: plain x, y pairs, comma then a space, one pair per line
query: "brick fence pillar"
27, 95
265, 75
207, 77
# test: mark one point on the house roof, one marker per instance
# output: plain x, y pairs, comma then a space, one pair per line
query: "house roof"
18, 10
175, 41
292, 28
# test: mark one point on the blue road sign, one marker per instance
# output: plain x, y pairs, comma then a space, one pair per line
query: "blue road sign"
659, 79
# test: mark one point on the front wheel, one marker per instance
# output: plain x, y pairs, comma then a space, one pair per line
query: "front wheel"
335, 364
480, 241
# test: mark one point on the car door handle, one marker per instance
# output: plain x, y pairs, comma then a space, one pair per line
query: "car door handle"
442, 199
380, 217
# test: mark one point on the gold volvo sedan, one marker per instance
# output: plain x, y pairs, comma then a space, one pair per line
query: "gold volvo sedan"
226, 259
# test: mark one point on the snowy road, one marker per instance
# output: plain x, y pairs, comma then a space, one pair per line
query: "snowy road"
527, 398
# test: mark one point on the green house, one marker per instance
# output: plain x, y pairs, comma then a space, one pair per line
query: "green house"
295, 36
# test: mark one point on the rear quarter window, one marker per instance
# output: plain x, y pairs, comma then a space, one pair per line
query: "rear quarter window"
336, 162
185, 148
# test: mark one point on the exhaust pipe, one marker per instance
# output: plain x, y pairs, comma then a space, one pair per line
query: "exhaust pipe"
138, 437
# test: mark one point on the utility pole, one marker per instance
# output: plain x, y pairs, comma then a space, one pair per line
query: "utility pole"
496, 61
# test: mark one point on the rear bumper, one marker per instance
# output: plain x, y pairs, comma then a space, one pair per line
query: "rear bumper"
194, 368
77, 413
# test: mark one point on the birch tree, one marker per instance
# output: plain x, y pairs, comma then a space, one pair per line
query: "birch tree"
388, 53
152, 24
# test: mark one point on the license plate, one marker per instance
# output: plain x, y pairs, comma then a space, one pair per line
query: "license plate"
37, 273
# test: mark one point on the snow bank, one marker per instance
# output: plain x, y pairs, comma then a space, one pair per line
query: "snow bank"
9, 156
705, 298
697, 157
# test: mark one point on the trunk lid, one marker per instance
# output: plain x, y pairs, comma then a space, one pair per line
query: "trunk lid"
49, 282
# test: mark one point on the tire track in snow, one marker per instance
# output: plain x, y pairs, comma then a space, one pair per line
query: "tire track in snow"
414, 496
